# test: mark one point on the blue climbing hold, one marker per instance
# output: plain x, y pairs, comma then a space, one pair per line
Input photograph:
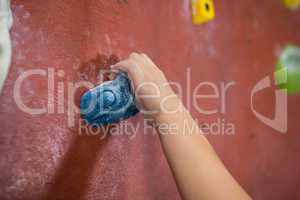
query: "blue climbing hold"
108, 103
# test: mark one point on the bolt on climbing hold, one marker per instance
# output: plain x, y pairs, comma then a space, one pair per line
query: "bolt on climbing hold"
109, 102
203, 11
288, 66
292, 4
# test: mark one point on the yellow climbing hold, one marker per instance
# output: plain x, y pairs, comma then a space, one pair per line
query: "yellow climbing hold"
292, 4
203, 11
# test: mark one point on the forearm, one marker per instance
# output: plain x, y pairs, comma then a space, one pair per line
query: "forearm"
198, 171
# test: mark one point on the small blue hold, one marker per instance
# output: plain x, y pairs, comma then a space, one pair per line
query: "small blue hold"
109, 102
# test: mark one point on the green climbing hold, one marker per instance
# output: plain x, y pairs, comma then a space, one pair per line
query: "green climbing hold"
287, 73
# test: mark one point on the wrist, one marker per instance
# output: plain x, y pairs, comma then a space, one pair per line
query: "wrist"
170, 106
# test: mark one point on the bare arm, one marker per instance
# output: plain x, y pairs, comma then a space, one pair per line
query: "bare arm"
198, 171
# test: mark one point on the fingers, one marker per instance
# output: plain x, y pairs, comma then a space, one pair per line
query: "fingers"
147, 58
123, 65
131, 64
135, 56
134, 65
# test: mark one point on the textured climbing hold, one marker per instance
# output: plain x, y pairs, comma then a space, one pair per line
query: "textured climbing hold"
109, 102
289, 66
203, 11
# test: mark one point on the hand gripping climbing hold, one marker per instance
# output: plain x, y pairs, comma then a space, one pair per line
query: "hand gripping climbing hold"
109, 102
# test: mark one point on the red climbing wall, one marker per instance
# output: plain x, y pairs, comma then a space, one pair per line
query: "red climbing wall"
41, 157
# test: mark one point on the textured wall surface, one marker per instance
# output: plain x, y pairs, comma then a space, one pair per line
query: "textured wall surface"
41, 157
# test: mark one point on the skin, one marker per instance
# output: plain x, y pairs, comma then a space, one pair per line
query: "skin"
198, 171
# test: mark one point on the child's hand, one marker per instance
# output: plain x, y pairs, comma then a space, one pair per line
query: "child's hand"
150, 84
190, 156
